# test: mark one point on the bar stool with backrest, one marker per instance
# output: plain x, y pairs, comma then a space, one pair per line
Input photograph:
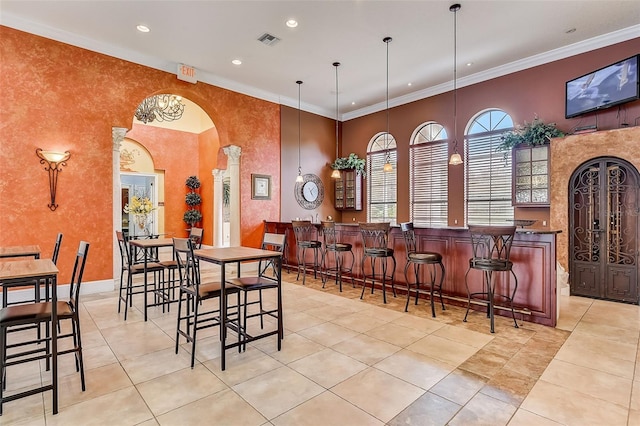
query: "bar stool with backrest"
491, 247
171, 266
35, 314
332, 245
375, 245
306, 238
132, 268
417, 259
193, 313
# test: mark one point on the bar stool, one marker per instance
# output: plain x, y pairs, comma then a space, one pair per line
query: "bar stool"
491, 253
375, 239
306, 238
417, 259
331, 245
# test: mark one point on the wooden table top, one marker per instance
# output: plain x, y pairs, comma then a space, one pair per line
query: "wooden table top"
234, 254
19, 251
30, 268
152, 242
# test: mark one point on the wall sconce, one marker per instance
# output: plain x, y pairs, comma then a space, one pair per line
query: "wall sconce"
53, 160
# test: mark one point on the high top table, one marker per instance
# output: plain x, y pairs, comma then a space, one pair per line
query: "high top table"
20, 251
20, 271
224, 255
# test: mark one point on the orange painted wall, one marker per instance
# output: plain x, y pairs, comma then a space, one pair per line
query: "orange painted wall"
208, 145
68, 98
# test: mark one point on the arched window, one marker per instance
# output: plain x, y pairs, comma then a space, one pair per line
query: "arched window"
487, 170
382, 186
428, 175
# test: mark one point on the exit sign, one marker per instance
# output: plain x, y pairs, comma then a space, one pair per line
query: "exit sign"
187, 73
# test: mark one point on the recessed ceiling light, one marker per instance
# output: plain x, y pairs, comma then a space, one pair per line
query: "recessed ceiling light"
570, 30
236, 62
353, 103
292, 23
469, 64
408, 84
143, 28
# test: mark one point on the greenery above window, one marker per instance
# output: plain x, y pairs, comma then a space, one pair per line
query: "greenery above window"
350, 162
532, 134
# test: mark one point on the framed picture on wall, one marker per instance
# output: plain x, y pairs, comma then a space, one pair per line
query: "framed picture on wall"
260, 187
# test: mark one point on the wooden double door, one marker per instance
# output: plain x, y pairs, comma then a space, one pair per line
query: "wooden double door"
603, 226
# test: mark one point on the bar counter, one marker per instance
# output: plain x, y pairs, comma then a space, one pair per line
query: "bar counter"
533, 254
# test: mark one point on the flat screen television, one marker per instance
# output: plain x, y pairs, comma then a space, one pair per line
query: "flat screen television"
609, 86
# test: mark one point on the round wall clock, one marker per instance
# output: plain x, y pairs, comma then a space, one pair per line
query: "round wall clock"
310, 192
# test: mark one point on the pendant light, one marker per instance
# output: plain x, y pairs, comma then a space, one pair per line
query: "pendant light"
336, 173
387, 165
299, 178
455, 159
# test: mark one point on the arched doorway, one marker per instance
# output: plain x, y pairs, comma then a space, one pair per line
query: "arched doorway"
603, 227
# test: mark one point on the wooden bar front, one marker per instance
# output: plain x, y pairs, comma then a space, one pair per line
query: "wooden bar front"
533, 254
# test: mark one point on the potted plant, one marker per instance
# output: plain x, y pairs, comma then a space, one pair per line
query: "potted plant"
535, 133
193, 200
350, 162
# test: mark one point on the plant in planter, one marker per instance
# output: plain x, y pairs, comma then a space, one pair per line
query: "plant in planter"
193, 200
535, 133
350, 162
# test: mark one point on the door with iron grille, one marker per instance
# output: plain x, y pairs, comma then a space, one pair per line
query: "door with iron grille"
603, 226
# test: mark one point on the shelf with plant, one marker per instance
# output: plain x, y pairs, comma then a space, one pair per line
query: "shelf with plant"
535, 133
352, 162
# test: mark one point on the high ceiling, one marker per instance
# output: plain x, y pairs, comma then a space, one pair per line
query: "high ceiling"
497, 37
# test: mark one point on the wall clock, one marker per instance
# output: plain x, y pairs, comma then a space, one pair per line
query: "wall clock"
310, 192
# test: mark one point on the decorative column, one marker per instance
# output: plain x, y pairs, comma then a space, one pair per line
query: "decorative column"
117, 135
218, 215
233, 167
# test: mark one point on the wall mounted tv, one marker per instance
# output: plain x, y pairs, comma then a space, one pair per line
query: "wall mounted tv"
609, 86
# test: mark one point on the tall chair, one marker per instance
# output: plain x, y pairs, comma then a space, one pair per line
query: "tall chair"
417, 259
491, 247
193, 315
375, 244
195, 235
132, 268
171, 266
306, 239
267, 278
38, 313
332, 245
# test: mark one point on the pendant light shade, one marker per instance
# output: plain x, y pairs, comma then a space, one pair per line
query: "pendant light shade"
299, 178
387, 165
455, 159
336, 173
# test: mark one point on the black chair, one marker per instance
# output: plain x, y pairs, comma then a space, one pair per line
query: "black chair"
332, 245
195, 316
263, 281
171, 266
491, 247
306, 239
417, 259
132, 268
36, 314
375, 245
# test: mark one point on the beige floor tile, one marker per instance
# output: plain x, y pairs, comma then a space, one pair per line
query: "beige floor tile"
426, 325
224, 407
328, 312
366, 349
415, 368
588, 381
328, 367
484, 410
459, 386
428, 410
635, 396
28, 410
243, 366
509, 386
327, 334
179, 388
126, 342
527, 418
460, 335
155, 364
634, 418
396, 334
126, 405
300, 321
277, 391
569, 407
580, 351
94, 357
446, 350
386, 395
326, 409
358, 321
597, 328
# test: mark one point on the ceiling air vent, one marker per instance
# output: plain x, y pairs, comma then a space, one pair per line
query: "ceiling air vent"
268, 39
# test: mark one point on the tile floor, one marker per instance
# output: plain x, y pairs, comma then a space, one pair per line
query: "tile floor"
347, 361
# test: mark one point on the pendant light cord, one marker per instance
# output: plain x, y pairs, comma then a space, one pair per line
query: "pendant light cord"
336, 65
387, 40
456, 7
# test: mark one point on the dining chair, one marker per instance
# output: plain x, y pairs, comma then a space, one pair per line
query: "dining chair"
267, 278
491, 246
339, 249
171, 266
195, 235
193, 314
35, 314
417, 258
306, 239
375, 246
132, 268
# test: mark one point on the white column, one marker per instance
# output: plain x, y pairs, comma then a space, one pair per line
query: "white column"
117, 135
233, 166
218, 215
